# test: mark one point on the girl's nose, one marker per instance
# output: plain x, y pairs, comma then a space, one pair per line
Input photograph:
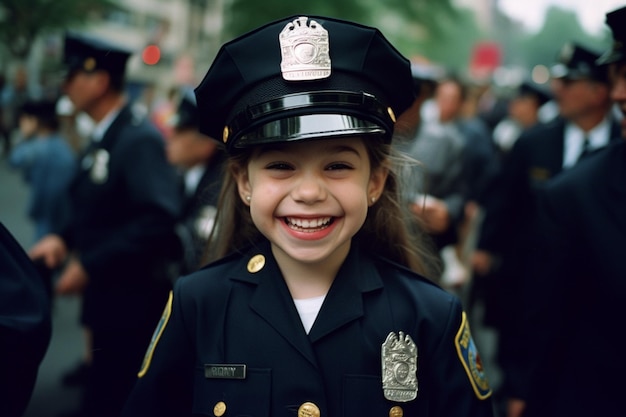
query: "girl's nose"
309, 189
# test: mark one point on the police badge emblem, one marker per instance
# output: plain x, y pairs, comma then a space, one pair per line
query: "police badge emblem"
399, 361
304, 50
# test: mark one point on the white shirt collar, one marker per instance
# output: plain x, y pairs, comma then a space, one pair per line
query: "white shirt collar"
100, 128
598, 137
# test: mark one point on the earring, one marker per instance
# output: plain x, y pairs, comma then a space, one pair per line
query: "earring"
248, 198
373, 199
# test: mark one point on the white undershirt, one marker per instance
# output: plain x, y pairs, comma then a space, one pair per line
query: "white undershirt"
308, 308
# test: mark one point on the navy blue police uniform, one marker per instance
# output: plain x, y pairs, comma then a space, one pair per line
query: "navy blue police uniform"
577, 285
535, 159
25, 325
205, 357
386, 341
124, 203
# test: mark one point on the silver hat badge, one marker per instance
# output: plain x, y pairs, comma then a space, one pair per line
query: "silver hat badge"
399, 361
304, 49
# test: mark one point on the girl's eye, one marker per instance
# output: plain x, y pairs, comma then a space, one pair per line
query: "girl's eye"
281, 166
338, 166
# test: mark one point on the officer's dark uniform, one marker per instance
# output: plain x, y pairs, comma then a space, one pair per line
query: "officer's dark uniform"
199, 207
124, 206
577, 287
231, 342
535, 159
25, 325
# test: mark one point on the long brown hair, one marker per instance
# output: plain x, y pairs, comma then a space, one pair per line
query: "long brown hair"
389, 229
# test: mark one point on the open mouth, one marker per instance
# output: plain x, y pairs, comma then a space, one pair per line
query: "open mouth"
308, 225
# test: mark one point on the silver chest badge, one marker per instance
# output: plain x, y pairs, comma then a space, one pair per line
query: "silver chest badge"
100, 168
304, 49
399, 360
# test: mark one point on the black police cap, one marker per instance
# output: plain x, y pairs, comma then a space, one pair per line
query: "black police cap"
616, 21
83, 52
303, 78
577, 62
186, 116
529, 88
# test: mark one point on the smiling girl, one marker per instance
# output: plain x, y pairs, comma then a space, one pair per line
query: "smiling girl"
315, 302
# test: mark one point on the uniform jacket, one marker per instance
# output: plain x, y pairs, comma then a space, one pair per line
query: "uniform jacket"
225, 315
25, 325
125, 203
576, 291
536, 159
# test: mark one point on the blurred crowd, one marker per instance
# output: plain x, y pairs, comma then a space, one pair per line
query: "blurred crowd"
483, 154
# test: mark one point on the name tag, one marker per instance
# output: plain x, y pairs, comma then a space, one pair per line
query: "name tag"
225, 371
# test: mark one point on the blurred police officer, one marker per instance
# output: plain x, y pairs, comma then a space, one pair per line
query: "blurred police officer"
581, 90
25, 325
577, 287
523, 113
200, 160
125, 202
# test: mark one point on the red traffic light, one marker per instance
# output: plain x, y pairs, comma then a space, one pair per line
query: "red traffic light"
151, 54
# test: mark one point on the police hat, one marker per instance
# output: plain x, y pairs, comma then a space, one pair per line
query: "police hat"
576, 62
616, 20
529, 88
303, 78
186, 116
86, 53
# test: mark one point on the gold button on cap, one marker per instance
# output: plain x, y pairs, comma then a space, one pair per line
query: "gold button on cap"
396, 411
308, 410
219, 409
256, 263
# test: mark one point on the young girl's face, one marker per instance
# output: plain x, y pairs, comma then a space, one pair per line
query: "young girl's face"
310, 198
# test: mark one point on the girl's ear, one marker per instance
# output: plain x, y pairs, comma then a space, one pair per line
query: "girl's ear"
378, 179
243, 185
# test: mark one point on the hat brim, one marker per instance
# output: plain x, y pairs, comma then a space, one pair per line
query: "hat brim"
307, 127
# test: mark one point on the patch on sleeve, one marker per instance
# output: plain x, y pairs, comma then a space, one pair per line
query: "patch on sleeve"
470, 358
156, 336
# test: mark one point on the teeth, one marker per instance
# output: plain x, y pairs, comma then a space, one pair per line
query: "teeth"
308, 223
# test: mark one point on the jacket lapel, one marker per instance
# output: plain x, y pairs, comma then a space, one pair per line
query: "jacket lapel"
344, 302
272, 301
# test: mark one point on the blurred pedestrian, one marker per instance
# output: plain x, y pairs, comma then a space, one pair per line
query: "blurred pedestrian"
200, 160
539, 155
47, 163
115, 251
318, 309
523, 113
577, 287
15, 92
25, 325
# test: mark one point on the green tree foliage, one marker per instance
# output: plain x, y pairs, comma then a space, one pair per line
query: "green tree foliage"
22, 21
560, 26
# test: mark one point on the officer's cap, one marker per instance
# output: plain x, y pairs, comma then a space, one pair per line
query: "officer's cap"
83, 52
186, 116
616, 20
529, 88
303, 78
576, 62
